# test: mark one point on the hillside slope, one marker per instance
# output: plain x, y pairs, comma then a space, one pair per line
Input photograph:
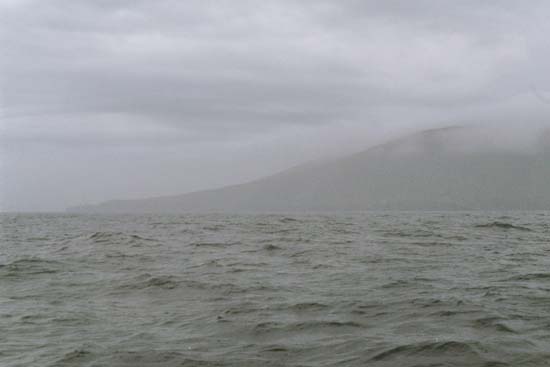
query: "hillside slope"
442, 169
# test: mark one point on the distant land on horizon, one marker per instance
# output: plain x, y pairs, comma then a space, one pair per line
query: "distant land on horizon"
441, 169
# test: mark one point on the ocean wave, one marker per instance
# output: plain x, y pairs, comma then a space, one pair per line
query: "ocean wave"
502, 225
494, 323
30, 266
146, 281
271, 247
156, 358
431, 349
305, 326
73, 358
288, 220
104, 237
307, 306
531, 276
213, 244
275, 348
214, 227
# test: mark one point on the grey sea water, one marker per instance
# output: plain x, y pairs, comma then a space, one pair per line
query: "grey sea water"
362, 289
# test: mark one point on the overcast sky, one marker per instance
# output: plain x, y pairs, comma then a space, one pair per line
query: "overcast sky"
104, 99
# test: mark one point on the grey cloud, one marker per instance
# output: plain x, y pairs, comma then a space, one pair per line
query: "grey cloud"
202, 79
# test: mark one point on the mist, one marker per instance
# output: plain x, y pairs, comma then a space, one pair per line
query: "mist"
133, 99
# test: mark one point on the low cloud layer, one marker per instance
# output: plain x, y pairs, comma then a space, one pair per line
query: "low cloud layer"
124, 99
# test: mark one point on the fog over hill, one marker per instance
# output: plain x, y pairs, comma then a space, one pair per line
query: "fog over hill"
459, 168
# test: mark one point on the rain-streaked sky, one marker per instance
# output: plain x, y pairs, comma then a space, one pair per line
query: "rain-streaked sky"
104, 99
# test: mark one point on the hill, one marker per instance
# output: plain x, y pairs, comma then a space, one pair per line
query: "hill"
441, 169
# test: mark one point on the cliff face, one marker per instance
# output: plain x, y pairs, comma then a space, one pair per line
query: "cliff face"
444, 169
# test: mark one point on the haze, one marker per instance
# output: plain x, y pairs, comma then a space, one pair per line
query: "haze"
129, 99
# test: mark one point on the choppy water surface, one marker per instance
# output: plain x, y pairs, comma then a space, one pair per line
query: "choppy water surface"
369, 289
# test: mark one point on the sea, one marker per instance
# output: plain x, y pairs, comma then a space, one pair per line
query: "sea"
285, 289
